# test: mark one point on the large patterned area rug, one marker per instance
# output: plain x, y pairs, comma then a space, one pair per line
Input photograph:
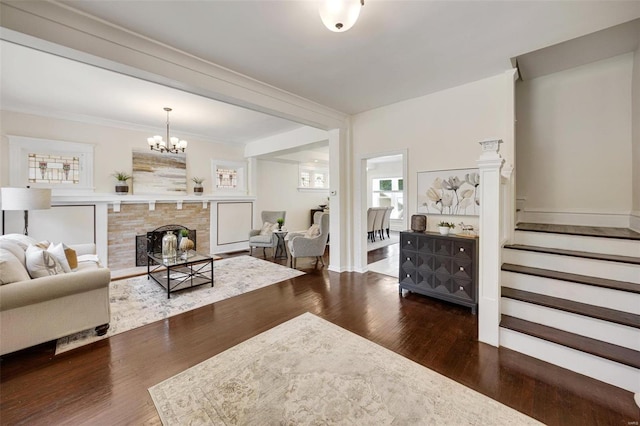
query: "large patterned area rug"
309, 371
139, 301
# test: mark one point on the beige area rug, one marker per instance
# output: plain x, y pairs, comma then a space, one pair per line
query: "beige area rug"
309, 371
138, 301
394, 238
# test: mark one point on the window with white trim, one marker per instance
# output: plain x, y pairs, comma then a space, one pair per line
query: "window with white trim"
387, 192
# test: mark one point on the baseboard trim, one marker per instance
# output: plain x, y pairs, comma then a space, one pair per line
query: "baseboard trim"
634, 220
582, 218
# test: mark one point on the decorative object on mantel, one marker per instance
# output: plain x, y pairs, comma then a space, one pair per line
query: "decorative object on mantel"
169, 246
25, 199
449, 192
445, 227
198, 189
171, 145
122, 187
418, 223
340, 15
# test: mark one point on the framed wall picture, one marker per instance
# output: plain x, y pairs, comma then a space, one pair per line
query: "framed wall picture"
156, 173
449, 192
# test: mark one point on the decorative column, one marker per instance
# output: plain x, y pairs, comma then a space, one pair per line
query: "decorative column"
489, 163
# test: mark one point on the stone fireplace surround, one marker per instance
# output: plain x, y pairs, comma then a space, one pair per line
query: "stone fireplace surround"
136, 219
118, 219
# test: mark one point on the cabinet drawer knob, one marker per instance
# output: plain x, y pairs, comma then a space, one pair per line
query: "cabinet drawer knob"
408, 258
461, 288
461, 248
461, 268
408, 242
408, 275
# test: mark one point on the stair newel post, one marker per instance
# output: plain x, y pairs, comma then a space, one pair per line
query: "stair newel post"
490, 164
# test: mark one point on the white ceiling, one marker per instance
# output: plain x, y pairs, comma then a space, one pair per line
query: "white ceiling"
397, 50
41, 83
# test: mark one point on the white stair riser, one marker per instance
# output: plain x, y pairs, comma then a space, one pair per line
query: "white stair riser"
575, 265
580, 243
605, 331
616, 374
591, 295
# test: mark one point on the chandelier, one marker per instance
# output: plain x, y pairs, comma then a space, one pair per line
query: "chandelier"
172, 144
340, 15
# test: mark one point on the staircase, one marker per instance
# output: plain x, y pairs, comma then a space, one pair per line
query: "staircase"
571, 297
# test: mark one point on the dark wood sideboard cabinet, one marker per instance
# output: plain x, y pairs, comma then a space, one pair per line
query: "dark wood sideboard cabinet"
441, 266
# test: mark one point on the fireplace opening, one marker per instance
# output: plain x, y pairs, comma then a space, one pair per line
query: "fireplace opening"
152, 241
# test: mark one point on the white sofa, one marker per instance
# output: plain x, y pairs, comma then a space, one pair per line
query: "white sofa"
34, 311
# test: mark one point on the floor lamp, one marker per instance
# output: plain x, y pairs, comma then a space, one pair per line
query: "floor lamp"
24, 199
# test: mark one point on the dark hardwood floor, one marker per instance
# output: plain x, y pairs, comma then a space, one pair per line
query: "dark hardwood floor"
106, 382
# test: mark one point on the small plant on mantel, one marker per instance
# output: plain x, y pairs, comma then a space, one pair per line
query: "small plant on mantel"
198, 189
122, 188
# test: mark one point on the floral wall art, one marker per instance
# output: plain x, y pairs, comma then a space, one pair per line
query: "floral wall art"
449, 192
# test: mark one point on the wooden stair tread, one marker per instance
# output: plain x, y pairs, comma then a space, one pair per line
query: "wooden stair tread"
575, 253
585, 344
580, 279
588, 231
606, 314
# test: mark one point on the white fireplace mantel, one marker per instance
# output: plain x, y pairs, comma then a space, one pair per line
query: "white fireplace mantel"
107, 198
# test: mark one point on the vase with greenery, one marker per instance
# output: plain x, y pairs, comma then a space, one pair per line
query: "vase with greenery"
185, 243
198, 189
122, 187
445, 227
280, 223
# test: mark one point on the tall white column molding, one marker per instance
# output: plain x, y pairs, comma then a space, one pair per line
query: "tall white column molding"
490, 163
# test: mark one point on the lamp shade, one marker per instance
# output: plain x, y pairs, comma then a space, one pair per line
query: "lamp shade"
339, 15
25, 198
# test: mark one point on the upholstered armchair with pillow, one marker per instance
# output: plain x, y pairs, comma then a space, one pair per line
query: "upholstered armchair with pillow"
48, 291
264, 236
311, 243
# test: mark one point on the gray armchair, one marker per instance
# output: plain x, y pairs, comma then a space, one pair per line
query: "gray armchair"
301, 246
265, 241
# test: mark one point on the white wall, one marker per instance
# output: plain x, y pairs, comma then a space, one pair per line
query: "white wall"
574, 139
440, 131
636, 136
113, 147
278, 190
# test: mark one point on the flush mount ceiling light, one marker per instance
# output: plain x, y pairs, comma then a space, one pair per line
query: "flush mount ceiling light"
340, 15
172, 144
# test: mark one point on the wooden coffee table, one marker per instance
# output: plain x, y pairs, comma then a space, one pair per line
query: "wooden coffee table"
180, 273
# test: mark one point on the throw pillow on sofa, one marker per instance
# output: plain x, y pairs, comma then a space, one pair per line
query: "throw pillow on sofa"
22, 240
15, 248
72, 257
57, 250
11, 269
41, 263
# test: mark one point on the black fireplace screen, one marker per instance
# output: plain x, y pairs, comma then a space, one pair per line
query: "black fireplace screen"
152, 241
